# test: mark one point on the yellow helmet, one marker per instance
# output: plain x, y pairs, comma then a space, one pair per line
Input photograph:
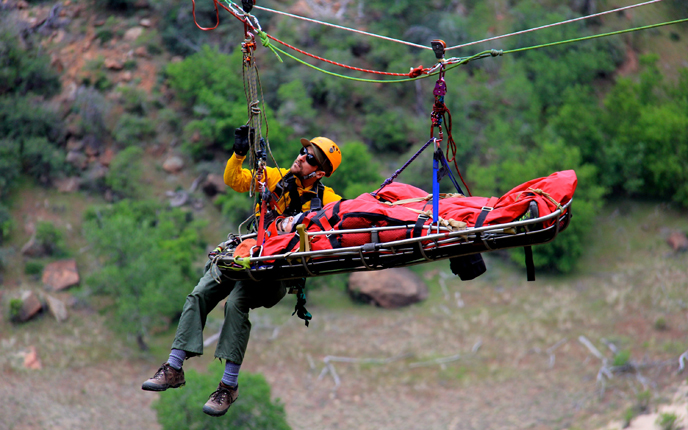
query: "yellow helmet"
326, 152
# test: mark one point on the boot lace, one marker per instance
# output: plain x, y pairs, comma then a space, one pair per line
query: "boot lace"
162, 372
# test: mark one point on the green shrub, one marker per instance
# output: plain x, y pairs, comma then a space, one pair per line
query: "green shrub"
133, 129
124, 174
130, 65
33, 267
622, 358
134, 100
50, 238
104, 34
254, 409
93, 109
667, 421
5, 221
41, 160
169, 119
643, 401
9, 168
660, 324
235, 207
24, 71
628, 416
146, 252
22, 118
15, 308
210, 86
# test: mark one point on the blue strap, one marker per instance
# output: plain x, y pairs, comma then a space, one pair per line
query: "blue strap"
435, 191
448, 171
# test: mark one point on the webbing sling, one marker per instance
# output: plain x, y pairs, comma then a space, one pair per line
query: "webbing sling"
483, 213
530, 266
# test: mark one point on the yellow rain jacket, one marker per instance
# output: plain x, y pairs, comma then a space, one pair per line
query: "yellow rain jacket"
239, 179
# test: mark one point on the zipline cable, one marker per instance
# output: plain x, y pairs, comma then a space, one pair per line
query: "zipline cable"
415, 73
595, 36
343, 28
581, 18
460, 61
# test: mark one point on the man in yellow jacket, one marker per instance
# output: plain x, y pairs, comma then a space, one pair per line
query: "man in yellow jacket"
295, 191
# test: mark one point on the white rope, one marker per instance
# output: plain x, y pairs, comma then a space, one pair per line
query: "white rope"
553, 25
342, 28
464, 44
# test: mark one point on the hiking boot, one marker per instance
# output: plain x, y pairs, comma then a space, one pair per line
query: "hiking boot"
219, 402
166, 377
531, 213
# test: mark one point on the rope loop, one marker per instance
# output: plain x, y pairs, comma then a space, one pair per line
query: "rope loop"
254, 107
550, 198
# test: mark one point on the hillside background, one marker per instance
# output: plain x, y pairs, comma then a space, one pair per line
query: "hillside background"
117, 118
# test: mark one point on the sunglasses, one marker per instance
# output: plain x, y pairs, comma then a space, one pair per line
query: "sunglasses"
310, 158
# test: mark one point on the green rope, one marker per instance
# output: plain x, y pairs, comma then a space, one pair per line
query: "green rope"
266, 42
580, 39
491, 53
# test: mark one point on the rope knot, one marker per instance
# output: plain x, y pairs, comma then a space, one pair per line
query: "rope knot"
415, 72
496, 52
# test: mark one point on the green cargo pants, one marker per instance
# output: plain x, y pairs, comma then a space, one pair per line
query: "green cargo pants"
241, 297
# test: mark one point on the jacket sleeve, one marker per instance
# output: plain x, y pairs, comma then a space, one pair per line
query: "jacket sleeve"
239, 179
236, 177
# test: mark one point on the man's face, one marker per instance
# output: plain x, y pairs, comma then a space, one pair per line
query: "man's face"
301, 167
285, 225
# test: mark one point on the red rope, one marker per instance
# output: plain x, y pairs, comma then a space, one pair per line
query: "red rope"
217, 15
413, 73
452, 144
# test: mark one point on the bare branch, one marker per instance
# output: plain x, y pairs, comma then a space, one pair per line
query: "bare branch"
610, 345
329, 367
682, 361
442, 360
210, 340
596, 352
553, 348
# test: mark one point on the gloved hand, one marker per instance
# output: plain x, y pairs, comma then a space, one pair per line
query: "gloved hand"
242, 136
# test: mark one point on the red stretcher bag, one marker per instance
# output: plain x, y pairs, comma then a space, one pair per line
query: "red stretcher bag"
389, 208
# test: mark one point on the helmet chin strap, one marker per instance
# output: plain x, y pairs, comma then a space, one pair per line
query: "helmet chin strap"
308, 176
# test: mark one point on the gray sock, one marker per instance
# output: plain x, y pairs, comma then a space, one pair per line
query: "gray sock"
231, 374
176, 359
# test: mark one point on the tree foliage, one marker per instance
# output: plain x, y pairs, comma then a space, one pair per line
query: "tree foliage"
124, 175
359, 174
146, 254
24, 71
211, 87
254, 409
30, 133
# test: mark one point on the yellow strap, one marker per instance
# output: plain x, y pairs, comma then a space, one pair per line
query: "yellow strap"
542, 193
450, 223
422, 199
304, 242
244, 262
